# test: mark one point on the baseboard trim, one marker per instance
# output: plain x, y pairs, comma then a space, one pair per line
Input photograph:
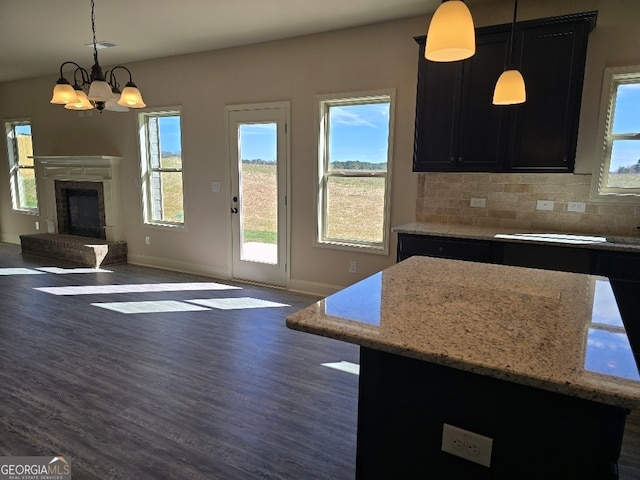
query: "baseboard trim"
312, 288
183, 267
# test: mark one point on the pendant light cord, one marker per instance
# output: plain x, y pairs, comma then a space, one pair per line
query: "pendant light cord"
513, 29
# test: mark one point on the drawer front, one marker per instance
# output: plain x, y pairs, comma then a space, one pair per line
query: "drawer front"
460, 249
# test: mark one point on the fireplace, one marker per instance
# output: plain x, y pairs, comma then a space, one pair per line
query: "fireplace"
81, 205
80, 208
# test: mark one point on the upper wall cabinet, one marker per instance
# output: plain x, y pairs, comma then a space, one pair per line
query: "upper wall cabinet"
457, 127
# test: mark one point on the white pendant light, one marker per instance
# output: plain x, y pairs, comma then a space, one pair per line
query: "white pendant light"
451, 35
510, 88
100, 86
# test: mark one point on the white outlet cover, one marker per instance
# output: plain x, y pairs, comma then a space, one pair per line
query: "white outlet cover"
544, 205
468, 445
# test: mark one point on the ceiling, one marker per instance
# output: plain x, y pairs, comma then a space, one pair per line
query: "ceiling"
38, 35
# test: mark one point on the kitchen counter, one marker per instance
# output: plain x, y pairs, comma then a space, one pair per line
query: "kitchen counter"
535, 327
597, 242
521, 356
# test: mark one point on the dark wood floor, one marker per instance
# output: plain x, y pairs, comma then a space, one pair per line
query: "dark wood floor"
215, 394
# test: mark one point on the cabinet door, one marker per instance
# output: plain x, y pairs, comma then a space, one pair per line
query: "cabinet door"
483, 127
438, 94
552, 61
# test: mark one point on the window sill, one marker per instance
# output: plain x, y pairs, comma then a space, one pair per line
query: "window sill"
351, 247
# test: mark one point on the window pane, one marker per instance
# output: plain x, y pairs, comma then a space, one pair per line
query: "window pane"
358, 137
27, 188
172, 207
355, 208
624, 168
24, 144
169, 137
626, 118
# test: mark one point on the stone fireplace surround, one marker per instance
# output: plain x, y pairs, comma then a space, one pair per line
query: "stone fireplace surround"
57, 173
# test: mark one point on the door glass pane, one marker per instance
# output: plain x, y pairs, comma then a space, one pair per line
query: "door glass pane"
258, 192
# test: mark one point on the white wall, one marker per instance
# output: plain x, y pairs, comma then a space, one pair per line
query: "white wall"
367, 58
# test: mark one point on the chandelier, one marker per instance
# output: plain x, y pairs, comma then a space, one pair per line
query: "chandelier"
103, 88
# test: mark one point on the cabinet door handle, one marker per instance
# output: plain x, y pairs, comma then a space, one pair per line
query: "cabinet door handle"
565, 159
460, 159
452, 159
441, 249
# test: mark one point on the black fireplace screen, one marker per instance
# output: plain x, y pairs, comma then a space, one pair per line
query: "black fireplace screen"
84, 213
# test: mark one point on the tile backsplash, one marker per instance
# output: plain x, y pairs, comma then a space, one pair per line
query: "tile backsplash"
511, 201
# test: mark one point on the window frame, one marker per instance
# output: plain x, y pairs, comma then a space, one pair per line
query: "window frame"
147, 168
323, 104
613, 77
15, 167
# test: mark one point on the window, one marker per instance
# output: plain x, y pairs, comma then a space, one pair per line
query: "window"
161, 158
24, 193
354, 165
618, 174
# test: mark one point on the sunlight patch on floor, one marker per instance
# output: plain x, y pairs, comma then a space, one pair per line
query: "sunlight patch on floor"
236, 303
64, 271
343, 366
135, 288
19, 271
154, 306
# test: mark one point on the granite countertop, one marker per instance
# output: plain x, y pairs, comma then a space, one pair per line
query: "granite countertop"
557, 331
617, 243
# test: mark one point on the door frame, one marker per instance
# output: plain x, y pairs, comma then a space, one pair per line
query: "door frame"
286, 237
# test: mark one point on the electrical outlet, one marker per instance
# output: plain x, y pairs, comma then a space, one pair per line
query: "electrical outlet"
544, 205
215, 186
147, 240
478, 202
468, 445
37, 225
579, 207
353, 266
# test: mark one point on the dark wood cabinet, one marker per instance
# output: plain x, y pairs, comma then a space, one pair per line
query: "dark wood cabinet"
616, 265
458, 128
445, 247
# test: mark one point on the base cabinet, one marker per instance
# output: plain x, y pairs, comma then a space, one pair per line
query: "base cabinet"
537, 434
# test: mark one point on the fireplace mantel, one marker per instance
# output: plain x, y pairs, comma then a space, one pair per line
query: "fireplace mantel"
97, 168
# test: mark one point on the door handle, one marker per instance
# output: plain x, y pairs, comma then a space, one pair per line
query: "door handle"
234, 210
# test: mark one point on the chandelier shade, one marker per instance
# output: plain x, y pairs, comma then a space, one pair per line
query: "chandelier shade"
63, 93
83, 102
451, 35
95, 89
131, 97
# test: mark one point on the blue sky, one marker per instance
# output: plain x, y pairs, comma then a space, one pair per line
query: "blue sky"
357, 132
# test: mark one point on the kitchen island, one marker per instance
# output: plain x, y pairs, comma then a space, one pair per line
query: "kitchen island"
538, 361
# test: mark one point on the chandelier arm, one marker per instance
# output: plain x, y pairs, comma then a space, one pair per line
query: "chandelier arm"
66, 63
124, 68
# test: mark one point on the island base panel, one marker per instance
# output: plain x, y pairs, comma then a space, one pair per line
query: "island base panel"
404, 402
